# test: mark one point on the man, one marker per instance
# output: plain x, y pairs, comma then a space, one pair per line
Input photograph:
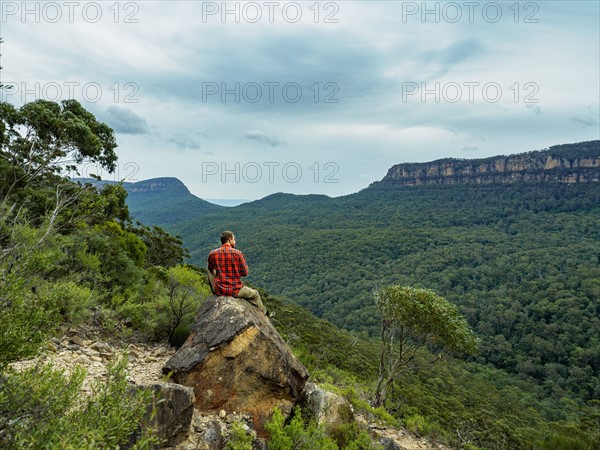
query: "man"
226, 265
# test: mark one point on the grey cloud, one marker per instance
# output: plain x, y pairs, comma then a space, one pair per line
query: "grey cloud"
535, 109
470, 149
588, 122
344, 69
126, 121
263, 138
460, 51
453, 54
184, 143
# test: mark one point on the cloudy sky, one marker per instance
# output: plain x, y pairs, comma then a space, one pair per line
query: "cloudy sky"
244, 99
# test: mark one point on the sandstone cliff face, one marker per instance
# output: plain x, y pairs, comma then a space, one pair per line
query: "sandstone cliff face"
575, 163
156, 185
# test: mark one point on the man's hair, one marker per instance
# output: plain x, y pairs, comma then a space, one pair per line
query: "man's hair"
225, 236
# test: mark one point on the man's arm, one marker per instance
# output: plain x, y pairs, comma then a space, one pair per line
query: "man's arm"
211, 278
243, 265
211, 272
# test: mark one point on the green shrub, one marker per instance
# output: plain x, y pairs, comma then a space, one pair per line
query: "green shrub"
296, 435
239, 439
72, 300
416, 424
566, 441
349, 436
167, 304
42, 407
300, 435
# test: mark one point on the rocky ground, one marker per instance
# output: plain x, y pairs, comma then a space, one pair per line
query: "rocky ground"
94, 349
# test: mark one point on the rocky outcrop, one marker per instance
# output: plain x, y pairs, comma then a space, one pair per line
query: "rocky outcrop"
235, 360
158, 185
571, 163
210, 431
170, 412
327, 408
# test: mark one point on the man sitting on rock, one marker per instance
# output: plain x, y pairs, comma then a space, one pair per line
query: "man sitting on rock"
226, 265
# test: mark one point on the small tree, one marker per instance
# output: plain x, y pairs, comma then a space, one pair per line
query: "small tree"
412, 319
164, 249
186, 290
42, 138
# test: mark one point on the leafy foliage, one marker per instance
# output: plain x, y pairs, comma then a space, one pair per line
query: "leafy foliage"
295, 434
164, 249
186, 290
239, 439
68, 249
302, 434
42, 407
410, 319
41, 138
28, 316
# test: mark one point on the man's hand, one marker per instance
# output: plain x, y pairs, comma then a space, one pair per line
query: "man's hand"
211, 276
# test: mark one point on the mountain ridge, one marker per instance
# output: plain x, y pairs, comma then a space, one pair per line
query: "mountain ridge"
567, 163
163, 200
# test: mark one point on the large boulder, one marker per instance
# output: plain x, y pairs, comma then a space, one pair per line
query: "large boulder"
235, 360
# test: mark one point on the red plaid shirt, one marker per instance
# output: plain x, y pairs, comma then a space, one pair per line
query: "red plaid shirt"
230, 265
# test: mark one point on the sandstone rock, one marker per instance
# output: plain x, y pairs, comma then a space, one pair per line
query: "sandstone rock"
210, 432
81, 360
236, 361
78, 341
327, 408
174, 408
212, 436
102, 347
389, 444
106, 355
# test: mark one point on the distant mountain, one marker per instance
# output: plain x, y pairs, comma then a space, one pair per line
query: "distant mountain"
229, 202
161, 201
569, 163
